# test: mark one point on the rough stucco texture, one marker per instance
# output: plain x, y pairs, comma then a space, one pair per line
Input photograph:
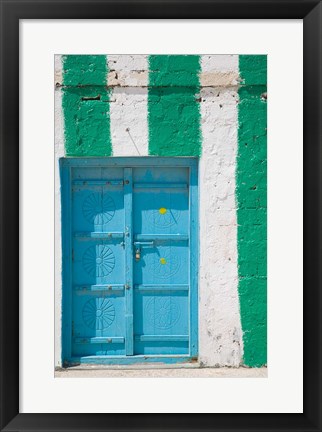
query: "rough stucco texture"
252, 207
174, 117
128, 77
220, 338
86, 106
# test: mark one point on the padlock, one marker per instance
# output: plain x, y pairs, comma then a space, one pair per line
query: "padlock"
138, 254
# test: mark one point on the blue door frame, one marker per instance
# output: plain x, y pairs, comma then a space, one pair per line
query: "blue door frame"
127, 347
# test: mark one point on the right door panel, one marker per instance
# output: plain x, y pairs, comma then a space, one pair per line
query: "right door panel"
161, 260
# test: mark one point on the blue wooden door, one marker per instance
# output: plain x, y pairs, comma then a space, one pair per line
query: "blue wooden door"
129, 269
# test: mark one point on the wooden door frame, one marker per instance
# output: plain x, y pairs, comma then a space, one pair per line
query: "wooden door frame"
66, 165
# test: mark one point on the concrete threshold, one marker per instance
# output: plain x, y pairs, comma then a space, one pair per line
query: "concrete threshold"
137, 366
159, 371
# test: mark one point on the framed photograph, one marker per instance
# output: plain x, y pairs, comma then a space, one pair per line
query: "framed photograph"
154, 181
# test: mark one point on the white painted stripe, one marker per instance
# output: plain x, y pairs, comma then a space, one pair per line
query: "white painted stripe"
59, 118
220, 63
128, 76
220, 334
59, 152
219, 70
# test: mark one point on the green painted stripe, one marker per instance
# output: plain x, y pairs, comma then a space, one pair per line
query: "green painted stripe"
173, 109
86, 106
81, 70
251, 185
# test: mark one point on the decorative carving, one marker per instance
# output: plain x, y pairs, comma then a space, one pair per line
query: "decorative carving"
98, 260
162, 312
98, 313
98, 208
163, 217
164, 264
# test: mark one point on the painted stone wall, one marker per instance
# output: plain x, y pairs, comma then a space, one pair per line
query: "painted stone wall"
209, 106
252, 206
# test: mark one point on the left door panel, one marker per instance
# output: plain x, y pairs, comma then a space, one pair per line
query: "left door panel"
98, 303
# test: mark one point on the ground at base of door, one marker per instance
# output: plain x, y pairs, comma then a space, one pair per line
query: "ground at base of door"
90, 371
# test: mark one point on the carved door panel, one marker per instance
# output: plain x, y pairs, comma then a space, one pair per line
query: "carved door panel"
98, 262
161, 267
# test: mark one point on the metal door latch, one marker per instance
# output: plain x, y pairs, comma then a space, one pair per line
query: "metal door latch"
138, 245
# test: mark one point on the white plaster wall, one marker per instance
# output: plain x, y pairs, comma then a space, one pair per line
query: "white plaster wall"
219, 70
128, 70
129, 121
220, 334
59, 152
128, 74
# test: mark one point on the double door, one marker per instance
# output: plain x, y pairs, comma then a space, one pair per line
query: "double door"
129, 281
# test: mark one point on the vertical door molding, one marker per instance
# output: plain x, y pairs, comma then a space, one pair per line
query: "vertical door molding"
128, 241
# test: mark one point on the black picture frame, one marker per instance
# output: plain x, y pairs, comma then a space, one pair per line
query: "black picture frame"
11, 12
